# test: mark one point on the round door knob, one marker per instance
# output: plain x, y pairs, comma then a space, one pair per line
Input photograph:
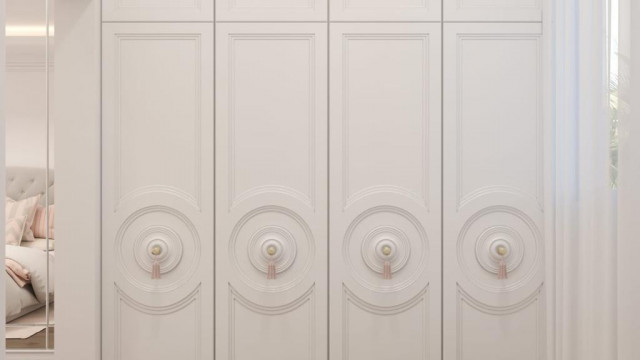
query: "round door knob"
156, 250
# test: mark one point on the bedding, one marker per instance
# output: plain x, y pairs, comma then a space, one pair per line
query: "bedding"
40, 244
27, 195
19, 299
35, 261
17, 272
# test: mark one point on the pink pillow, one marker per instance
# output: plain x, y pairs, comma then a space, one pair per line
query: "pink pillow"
39, 225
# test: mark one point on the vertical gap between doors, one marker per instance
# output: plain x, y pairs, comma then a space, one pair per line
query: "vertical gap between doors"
215, 154
328, 182
46, 190
100, 226
442, 179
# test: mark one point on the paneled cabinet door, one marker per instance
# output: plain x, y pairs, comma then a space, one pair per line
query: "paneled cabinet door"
385, 10
492, 10
154, 10
271, 186
495, 168
385, 191
271, 10
157, 148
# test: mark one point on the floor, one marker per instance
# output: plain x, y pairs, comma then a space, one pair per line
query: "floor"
37, 341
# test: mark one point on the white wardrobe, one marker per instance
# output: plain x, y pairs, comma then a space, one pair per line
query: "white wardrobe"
343, 180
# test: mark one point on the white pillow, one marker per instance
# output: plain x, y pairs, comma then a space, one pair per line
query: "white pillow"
27, 208
35, 261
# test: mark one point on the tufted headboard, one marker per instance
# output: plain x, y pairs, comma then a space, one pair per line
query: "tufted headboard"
23, 182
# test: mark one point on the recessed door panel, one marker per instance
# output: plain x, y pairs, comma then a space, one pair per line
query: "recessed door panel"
157, 10
494, 176
492, 10
271, 10
271, 184
385, 191
157, 194
385, 10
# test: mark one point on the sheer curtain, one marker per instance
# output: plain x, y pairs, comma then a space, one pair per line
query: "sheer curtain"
585, 237
629, 182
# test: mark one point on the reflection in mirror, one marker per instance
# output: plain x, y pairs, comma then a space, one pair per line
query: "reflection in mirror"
30, 207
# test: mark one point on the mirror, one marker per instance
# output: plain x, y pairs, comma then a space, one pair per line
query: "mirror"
30, 207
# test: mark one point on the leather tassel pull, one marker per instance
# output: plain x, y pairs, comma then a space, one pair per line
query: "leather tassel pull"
271, 270
386, 272
502, 269
155, 269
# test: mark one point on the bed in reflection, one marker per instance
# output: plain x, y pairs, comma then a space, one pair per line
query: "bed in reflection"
29, 286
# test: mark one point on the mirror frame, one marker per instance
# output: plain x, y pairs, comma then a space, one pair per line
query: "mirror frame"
2, 167
46, 68
77, 158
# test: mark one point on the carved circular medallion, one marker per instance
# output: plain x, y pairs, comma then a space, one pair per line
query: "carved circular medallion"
169, 243
386, 243
272, 243
164, 229
272, 234
492, 234
489, 244
385, 233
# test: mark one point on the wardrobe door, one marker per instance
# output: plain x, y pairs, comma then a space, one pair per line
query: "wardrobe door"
271, 185
495, 167
385, 191
157, 195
